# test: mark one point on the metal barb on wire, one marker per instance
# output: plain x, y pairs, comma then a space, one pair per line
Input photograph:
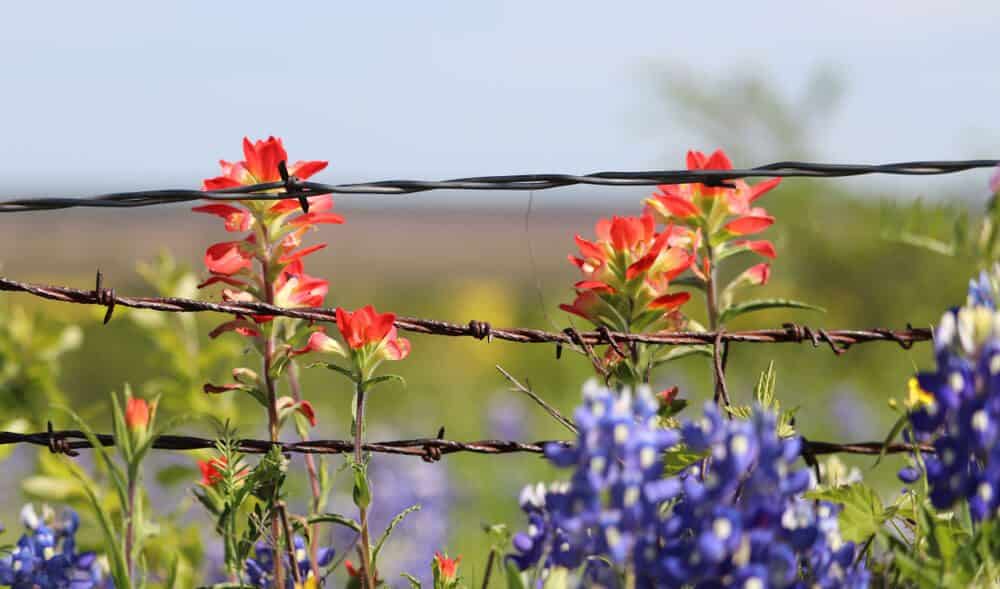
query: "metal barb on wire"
69, 441
291, 187
838, 339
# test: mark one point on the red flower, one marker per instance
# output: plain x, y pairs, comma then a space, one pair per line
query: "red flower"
366, 328
687, 201
260, 166
666, 396
319, 341
137, 414
303, 407
630, 266
587, 304
295, 288
757, 275
211, 470
236, 219
445, 569
747, 224
763, 248
228, 257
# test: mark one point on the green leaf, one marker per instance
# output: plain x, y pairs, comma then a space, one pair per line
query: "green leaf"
53, 489
862, 515
691, 281
119, 571
371, 382
414, 582
335, 518
514, 578
754, 305
331, 366
678, 352
678, 458
388, 530
117, 476
361, 493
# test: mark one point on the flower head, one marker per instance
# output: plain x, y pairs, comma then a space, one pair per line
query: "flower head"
627, 272
212, 471
957, 406
737, 519
46, 555
260, 165
371, 337
687, 203
445, 570
260, 568
138, 413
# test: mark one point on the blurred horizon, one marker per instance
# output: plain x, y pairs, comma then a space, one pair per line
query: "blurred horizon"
121, 97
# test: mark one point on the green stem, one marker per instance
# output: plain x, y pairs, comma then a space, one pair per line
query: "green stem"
293, 384
365, 548
130, 528
272, 401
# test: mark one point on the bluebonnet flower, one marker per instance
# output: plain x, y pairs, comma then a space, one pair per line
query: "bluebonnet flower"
741, 519
260, 568
736, 518
46, 556
957, 406
610, 505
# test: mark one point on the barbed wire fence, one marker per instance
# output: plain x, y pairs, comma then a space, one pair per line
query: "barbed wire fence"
432, 449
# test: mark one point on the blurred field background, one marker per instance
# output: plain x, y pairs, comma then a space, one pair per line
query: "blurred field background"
497, 257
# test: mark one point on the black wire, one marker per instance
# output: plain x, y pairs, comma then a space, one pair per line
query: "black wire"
296, 189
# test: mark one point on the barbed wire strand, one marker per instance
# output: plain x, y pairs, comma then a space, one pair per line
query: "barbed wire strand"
70, 441
838, 340
292, 187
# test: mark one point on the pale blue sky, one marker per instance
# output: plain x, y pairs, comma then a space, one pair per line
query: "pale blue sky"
128, 94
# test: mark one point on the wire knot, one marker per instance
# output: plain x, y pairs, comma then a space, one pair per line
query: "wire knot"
892, 335
481, 330
104, 296
804, 332
433, 453
58, 444
292, 185
607, 335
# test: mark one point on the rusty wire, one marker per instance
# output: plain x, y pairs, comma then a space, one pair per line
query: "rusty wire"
838, 340
292, 187
430, 449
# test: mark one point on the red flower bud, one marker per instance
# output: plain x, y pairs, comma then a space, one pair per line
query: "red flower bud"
137, 414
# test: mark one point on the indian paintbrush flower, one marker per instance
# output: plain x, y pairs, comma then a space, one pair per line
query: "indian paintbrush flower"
627, 273
445, 571
138, 414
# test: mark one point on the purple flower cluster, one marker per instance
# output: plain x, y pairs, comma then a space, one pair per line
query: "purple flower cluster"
46, 556
610, 506
741, 519
736, 518
957, 407
260, 568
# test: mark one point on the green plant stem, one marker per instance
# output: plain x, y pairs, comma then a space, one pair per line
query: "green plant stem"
296, 388
272, 407
712, 304
130, 528
365, 547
